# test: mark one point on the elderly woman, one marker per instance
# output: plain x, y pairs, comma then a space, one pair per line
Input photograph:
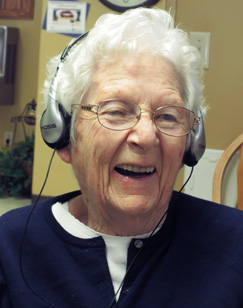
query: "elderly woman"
130, 91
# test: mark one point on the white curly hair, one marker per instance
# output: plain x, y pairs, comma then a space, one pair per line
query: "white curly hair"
135, 31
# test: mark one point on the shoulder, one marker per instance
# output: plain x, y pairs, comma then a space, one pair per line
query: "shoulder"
208, 217
14, 221
208, 208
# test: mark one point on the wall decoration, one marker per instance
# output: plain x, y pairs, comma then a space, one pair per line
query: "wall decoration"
123, 5
66, 17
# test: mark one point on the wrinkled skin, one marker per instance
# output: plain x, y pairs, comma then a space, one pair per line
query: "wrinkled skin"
110, 202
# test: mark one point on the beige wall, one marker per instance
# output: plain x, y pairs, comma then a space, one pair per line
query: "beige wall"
223, 79
26, 71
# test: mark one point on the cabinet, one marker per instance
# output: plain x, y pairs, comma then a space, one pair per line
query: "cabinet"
8, 55
17, 9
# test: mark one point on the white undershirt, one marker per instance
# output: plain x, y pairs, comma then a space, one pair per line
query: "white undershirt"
116, 246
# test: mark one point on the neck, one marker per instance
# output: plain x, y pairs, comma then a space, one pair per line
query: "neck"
116, 224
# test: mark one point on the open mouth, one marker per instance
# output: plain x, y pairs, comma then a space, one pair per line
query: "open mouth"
66, 14
134, 171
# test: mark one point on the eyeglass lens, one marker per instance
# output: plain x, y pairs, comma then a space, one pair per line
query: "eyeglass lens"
121, 115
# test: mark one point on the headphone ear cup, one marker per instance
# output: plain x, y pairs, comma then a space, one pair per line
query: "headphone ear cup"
195, 144
189, 157
55, 127
64, 139
55, 121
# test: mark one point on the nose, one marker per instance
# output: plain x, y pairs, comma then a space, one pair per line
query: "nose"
144, 135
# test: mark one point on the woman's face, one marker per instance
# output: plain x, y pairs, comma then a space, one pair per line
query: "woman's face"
115, 202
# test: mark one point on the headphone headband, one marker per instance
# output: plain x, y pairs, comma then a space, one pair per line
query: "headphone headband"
55, 121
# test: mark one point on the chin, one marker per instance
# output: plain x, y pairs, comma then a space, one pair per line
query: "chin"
135, 205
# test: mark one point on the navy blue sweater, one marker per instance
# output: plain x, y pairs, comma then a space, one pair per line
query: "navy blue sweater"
194, 261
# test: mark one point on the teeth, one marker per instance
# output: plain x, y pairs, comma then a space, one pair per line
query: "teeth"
136, 169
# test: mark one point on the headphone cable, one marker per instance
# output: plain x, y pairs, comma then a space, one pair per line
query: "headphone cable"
131, 264
24, 234
148, 240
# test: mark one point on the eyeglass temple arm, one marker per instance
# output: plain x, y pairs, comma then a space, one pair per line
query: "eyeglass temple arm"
89, 108
197, 120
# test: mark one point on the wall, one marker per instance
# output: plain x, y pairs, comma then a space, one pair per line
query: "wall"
26, 71
223, 79
61, 178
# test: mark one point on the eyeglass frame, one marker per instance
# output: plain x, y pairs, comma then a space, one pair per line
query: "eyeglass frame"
89, 108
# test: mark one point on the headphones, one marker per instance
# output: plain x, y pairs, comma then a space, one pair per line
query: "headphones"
195, 144
55, 121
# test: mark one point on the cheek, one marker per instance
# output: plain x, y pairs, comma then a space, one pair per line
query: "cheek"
172, 156
181, 151
174, 148
93, 151
83, 149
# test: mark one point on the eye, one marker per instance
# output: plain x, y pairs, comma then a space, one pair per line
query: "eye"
114, 111
117, 109
118, 114
166, 117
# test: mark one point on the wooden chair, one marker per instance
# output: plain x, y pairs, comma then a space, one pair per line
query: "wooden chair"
236, 145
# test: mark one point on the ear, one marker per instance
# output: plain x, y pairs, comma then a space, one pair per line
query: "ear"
65, 154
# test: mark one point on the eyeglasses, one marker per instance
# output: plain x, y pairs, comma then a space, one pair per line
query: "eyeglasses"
119, 114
